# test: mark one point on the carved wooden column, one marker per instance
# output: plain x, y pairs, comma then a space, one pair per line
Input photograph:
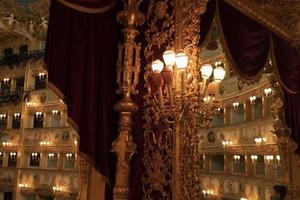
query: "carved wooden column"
128, 68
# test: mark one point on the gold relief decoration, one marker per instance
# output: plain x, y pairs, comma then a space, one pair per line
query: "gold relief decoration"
128, 69
178, 110
159, 124
280, 130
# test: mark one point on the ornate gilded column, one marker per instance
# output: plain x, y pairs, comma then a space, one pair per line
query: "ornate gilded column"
128, 68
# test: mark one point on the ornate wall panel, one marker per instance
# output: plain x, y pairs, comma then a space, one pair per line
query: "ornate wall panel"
170, 130
159, 35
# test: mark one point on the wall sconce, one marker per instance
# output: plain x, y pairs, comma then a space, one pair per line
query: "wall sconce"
44, 143
243, 198
208, 192
38, 114
75, 143
55, 112
235, 105
51, 156
226, 143
34, 156
259, 140
17, 116
6, 80
278, 158
1, 153
252, 99
2, 117
268, 92
218, 111
13, 155
23, 186
6, 144
69, 156
57, 189
42, 75
237, 158
254, 158
269, 158
208, 99
30, 103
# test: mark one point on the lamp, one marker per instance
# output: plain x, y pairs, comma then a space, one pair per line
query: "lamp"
17, 115
169, 58
181, 60
6, 80
269, 158
268, 91
55, 112
235, 105
226, 143
252, 99
237, 158
157, 66
254, 158
219, 72
206, 71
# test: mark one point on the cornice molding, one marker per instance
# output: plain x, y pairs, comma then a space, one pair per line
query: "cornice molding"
272, 24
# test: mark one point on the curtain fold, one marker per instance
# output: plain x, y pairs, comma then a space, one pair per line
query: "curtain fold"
81, 52
287, 64
206, 20
247, 42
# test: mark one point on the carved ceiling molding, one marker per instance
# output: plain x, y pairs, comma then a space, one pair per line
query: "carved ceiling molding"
254, 12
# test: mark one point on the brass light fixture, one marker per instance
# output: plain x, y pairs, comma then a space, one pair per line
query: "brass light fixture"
174, 73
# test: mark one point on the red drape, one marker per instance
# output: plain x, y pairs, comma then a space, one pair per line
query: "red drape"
247, 41
207, 19
81, 53
248, 44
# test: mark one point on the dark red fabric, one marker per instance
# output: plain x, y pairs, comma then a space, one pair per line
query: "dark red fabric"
248, 42
207, 19
288, 64
81, 53
292, 116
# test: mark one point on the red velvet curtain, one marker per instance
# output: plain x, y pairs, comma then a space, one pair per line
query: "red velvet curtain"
248, 44
81, 54
247, 41
288, 66
207, 19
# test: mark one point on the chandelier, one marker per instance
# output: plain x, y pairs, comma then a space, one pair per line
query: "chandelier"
181, 86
